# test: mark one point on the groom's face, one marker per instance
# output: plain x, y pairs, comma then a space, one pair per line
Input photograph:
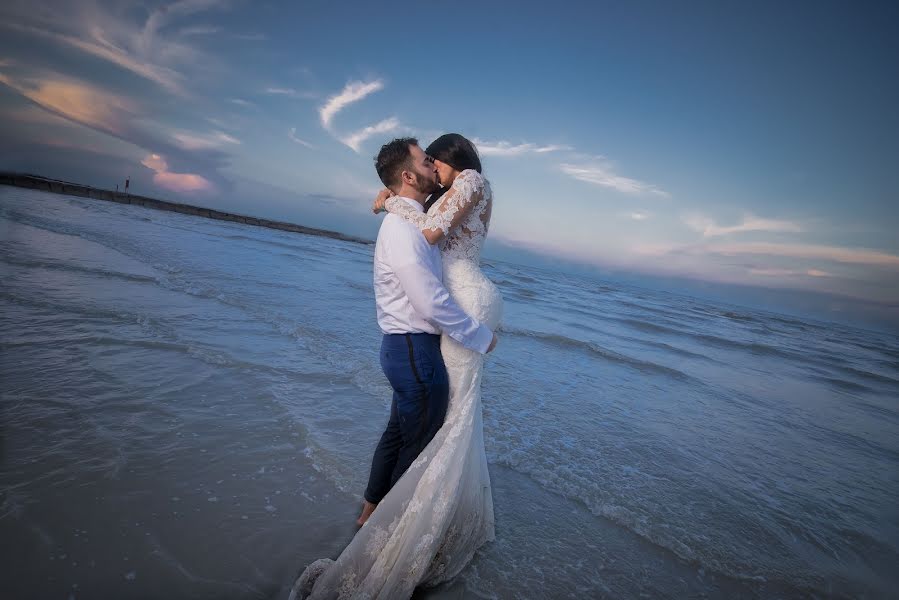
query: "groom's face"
424, 173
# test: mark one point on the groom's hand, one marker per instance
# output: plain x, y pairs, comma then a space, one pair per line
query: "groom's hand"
381, 200
492, 344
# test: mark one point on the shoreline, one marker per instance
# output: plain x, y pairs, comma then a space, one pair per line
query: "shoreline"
56, 186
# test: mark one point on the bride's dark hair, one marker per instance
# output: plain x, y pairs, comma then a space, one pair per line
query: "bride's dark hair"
456, 151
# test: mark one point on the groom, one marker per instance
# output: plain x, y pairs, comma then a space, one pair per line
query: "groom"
413, 310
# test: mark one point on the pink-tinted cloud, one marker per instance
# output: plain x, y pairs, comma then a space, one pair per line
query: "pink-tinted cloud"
104, 49
202, 141
860, 256
774, 272
138, 39
90, 106
77, 101
709, 228
834, 254
176, 182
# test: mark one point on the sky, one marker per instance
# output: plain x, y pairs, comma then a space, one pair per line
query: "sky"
746, 151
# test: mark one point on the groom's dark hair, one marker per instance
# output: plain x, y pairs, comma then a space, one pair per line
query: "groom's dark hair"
393, 159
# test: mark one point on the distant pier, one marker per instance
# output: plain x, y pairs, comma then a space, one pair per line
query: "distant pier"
56, 186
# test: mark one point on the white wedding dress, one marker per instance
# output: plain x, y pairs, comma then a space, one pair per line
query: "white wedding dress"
440, 512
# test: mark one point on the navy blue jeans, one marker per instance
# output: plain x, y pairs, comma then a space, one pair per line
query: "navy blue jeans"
414, 367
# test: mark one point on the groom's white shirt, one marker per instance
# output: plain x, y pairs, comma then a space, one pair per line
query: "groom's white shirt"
409, 292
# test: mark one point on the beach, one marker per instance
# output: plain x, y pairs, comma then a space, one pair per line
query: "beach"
189, 407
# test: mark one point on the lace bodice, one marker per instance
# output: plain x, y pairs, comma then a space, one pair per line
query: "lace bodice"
461, 215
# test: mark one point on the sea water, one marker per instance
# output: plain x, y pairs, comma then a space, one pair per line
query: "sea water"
189, 408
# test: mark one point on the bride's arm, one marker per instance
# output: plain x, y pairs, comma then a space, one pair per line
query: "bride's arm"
450, 210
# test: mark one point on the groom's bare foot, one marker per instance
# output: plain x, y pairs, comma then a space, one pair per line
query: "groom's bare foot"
367, 509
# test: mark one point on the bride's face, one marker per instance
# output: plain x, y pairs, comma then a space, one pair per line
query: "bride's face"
445, 173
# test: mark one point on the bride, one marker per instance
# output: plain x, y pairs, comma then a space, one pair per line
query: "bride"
428, 527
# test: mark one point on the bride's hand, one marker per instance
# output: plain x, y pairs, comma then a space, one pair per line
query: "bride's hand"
381, 200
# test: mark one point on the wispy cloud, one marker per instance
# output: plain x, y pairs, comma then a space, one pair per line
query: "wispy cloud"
251, 37
77, 101
709, 228
504, 148
833, 254
240, 102
292, 134
639, 215
838, 254
125, 119
150, 48
176, 182
352, 92
200, 141
773, 272
104, 49
164, 15
200, 30
599, 171
290, 93
354, 140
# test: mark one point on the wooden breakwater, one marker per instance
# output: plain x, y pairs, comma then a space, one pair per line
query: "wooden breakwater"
56, 186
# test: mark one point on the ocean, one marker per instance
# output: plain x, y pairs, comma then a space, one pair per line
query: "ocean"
189, 409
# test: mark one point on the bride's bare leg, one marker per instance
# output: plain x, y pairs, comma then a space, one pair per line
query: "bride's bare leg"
367, 509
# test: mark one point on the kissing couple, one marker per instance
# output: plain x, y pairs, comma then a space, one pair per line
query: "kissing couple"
428, 505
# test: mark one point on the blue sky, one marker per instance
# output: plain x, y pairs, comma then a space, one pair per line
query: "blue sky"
721, 144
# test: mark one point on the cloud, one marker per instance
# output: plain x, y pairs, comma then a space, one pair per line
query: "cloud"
176, 182
599, 172
240, 102
354, 140
290, 93
200, 30
89, 106
164, 15
106, 50
503, 148
837, 254
145, 48
639, 215
200, 141
709, 228
833, 254
352, 92
773, 272
292, 134
77, 101
34, 114
251, 37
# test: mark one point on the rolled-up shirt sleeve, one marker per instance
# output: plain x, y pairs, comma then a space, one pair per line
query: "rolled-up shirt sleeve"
430, 298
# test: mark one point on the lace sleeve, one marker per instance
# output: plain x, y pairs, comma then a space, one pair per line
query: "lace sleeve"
450, 210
